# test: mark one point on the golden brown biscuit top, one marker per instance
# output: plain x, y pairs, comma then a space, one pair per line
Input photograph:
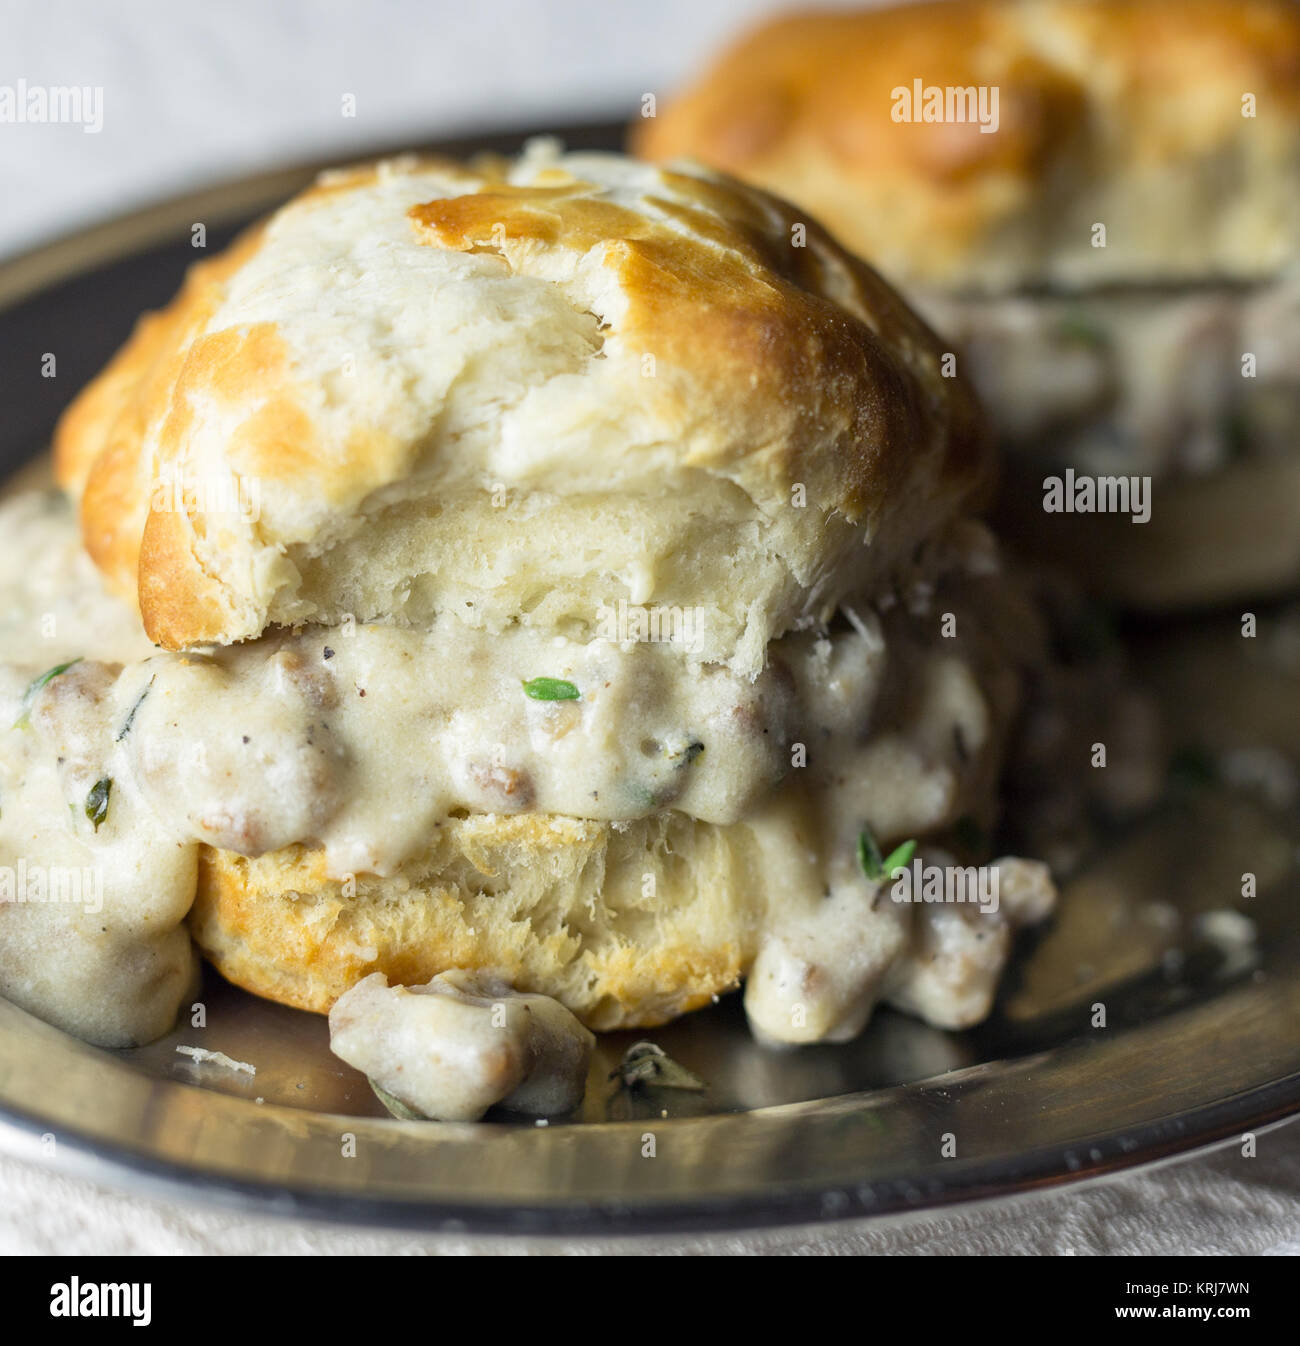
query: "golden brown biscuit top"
404, 339
1139, 96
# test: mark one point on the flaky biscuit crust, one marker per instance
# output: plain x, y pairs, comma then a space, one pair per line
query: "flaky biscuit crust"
408, 345
1127, 113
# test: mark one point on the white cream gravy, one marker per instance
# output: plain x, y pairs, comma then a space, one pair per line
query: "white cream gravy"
360, 740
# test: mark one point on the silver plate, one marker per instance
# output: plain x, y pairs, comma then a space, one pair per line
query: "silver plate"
1199, 1044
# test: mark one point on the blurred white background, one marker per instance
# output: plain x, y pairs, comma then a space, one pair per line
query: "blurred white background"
196, 92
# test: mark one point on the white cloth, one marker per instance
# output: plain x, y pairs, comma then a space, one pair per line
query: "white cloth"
1214, 1203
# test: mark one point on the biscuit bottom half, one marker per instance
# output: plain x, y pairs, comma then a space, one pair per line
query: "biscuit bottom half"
628, 926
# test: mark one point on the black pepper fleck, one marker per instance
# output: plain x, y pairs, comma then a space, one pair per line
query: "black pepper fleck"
328, 653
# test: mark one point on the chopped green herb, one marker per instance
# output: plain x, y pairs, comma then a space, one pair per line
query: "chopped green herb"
869, 857
34, 687
551, 689
873, 865
646, 1066
688, 754
900, 857
395, 1105
97, 801
130, 718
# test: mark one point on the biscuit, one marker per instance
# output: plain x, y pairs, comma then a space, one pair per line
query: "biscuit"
1175, 123
518, 392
